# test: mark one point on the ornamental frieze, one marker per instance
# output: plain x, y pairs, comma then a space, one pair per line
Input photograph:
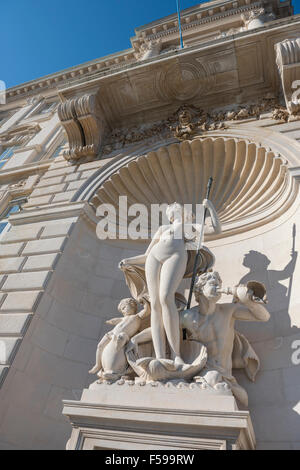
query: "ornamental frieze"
189, 120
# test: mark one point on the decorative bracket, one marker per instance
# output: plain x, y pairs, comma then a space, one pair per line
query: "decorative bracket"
85, 126
288, 63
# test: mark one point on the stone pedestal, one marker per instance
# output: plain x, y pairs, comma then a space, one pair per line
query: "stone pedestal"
128, 416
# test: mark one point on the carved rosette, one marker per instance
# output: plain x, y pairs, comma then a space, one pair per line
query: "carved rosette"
85, 127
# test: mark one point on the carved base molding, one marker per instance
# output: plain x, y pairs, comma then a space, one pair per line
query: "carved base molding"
157, 416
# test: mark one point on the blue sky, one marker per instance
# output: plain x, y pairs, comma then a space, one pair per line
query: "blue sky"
40, 37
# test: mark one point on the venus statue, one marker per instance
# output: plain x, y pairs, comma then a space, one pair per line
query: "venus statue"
111, 361
166, 261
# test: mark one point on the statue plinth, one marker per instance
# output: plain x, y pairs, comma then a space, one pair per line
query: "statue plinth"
173, 415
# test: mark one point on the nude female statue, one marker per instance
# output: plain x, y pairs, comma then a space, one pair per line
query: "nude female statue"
165, 265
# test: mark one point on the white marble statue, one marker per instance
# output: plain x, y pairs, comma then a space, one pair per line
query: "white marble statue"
111, 362
166, 261
166, 341
212, 324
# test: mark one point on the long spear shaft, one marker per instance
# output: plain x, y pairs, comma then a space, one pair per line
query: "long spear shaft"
199, 245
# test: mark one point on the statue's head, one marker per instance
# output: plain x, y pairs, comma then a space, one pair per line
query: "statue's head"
208, 284
128, 307
177, 211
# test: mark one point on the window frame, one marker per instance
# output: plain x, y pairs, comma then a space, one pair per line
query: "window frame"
4, 217
10, 150
37, 112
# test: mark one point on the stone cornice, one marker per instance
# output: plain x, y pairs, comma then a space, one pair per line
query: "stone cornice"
50, 212
196, 20
67, 76
109, 65
209, 11
92, 80
209, 75
24, 171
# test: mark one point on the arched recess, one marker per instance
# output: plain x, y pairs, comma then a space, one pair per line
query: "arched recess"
252, 184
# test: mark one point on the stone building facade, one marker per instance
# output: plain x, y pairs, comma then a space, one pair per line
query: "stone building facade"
76, 139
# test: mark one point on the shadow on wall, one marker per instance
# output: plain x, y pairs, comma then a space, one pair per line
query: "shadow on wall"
277, 395
258, 265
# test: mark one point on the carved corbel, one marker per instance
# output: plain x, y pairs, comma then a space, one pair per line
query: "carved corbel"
288, 63
85, 126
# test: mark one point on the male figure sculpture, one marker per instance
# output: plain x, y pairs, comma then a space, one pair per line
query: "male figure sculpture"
212, 324
166, 262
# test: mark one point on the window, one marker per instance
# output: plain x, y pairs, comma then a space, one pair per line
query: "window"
3, 118
43, 108
47, 108
4, 216
5, 155
18, 141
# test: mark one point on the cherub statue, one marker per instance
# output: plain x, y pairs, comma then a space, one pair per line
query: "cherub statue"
111, 362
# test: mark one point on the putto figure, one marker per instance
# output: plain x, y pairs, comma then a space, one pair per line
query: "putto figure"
111, 361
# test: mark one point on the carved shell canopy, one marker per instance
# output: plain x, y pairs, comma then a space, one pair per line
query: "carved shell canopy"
251, 185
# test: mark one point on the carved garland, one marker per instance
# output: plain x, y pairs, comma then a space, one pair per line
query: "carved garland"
189, 120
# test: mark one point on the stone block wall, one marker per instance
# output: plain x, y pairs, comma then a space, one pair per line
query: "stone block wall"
59, 283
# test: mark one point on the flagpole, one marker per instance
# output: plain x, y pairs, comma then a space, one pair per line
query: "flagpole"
179, 23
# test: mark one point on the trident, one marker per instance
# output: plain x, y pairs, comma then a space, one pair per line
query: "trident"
199, 246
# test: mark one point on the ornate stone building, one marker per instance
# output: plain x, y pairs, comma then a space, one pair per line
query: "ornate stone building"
152, 122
